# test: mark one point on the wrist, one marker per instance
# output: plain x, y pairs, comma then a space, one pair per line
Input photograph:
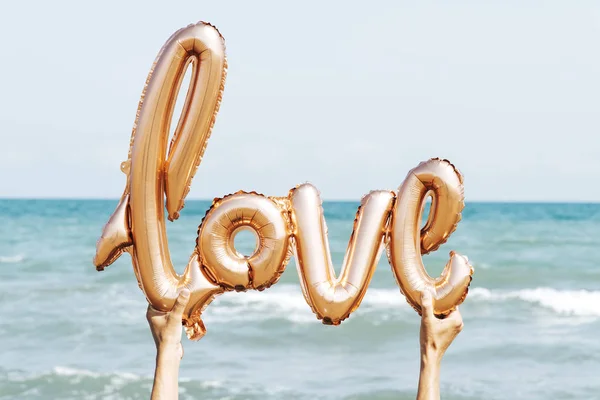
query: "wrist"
430, 357
168, 350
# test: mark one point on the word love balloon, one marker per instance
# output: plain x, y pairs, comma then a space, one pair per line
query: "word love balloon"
283, 225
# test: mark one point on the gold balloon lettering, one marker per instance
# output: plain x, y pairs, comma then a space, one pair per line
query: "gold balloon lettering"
333, 298
407, 242
282, 225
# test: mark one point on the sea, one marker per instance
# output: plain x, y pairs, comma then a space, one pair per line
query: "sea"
531, 318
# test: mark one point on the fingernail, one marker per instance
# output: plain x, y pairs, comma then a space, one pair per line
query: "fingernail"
185, 293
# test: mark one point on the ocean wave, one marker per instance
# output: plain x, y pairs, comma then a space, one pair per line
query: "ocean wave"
74, 383
287, 302
74, 372
77, 374
11, 259
581, 303
71, 383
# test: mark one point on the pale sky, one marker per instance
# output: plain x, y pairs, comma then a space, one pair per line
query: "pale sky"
346, 95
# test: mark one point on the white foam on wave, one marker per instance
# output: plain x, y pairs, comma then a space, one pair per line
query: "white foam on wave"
66, 371
74, 372
287, 302
113, 381
208, 384
582, 303
76, 375
11, 259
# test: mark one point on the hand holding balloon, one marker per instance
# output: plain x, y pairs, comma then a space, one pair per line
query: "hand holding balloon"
166, 328
436, 336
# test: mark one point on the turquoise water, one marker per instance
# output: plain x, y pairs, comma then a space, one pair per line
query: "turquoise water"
531, 319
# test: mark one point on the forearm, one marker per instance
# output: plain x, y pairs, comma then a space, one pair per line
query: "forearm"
166, 375
429, 378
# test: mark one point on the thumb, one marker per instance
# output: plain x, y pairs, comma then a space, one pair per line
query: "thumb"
427, 303
181, 302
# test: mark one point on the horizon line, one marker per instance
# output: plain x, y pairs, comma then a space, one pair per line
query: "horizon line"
338, 200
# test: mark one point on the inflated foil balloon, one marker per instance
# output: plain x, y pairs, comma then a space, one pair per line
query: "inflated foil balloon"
407, 241
138, 224
282, 225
